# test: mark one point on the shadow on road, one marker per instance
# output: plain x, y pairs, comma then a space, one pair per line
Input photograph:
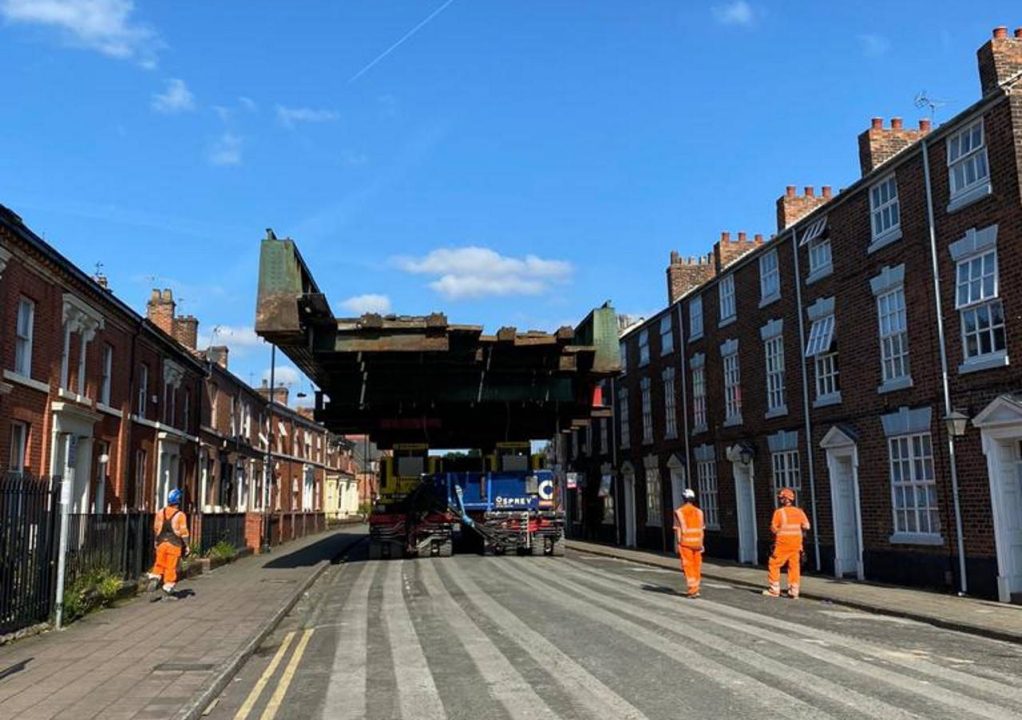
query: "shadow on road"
326, 549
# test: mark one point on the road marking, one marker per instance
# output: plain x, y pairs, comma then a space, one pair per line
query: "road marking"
253, 696
285, 680
346, 693
855, 615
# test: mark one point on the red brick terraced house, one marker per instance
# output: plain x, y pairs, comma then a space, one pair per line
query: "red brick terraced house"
867, 356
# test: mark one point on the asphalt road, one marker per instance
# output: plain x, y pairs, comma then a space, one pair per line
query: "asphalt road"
585, 637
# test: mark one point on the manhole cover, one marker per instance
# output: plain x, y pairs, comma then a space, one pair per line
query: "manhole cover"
183, 667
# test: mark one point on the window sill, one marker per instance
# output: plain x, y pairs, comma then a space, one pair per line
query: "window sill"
769, 300
109, 410
901, 383
827, 400
671, 436
777, 412
26, 381
733, 421
727, 321
699, 429
884, 240
984, 362
647, 441
693, 338
73, 397
907, 538
968, 197
819, 274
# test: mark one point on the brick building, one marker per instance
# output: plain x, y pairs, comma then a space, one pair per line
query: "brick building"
835, 358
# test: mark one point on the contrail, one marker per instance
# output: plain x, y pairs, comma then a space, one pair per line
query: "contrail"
398, 44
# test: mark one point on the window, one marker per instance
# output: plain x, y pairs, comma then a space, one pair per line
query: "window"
644, 347
695, 318
666, 335
786, 472
820, 346
143, 390
769, 277
653, 501
727, 298
622, 401
826, 377
774, 349
231, 406
140, 471
670, 416
23, 337
732, 388
647, 412
186, 418
884, 206
980, 310
623, 352
893, 334
699, 398
19, 447
108, 371
967, 160
913, 487
819, 255
821, 336
706, 471
608, 509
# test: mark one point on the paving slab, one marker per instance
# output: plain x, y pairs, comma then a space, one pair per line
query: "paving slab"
206, 634
978, 617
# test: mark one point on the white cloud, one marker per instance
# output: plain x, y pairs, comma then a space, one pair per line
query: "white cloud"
738, 12
874, 45
226, 150
248, 103
472, 272
368, 303
102, 25
283, 375
175, 99
289, 116
240, 339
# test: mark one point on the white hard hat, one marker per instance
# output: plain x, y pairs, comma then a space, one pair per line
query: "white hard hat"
689, 494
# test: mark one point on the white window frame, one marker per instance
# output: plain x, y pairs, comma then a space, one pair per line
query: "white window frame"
695, 318
24, 332
908, 455
726, 294
821, 260
19, 447
828, 388
706, 474
773, 350
699, 414
892, 324
142, 393
666, 335
645, 386
670, 404
785, 471
654, 498
963, 161
769, 277
644, 347
884, 211
732, 387
108, 373
976, 296
625, 425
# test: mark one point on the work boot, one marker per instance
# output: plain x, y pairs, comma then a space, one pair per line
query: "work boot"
771, 593
169, 595
152, 582
693, 595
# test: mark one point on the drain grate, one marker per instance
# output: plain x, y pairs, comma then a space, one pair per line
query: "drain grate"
183, 667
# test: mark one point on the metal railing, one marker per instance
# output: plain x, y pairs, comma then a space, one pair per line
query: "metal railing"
222, 527
119, 542
28, 538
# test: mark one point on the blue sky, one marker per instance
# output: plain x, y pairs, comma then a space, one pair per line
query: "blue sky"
509, 163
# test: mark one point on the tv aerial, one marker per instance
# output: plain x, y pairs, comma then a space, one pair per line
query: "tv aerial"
923, 99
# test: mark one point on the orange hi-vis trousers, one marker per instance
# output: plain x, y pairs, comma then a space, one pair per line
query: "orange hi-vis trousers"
167, 555
692, 566
781, 556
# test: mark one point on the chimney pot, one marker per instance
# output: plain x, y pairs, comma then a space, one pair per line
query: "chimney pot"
1000, 32
877, 123
168, 295
809, 191
924, 126
741, 237
790, 191
725, 237
827, 191
1018, 32
759, 239
154, 296
896, 123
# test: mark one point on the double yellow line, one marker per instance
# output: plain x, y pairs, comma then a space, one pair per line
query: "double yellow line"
284, 683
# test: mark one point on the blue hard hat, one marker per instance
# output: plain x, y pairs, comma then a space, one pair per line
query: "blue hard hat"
175, 497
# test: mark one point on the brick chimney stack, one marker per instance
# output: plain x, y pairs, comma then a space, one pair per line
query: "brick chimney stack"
792, 207
218, 354
280, 393
1000, 59
879, 144
684, 274
160, 310
186, 331
729, 249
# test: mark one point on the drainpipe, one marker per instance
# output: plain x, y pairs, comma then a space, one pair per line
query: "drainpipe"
613, 458
684, 396
938, 306
805, 396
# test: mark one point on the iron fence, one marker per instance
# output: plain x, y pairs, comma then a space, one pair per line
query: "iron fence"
29, 523
222, 527
119, 542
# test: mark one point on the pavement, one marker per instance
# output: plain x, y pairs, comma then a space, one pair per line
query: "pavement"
148, 660
969, 615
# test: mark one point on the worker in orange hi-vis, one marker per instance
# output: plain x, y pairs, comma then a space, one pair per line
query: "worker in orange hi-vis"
788, 524
688, 532
171, 528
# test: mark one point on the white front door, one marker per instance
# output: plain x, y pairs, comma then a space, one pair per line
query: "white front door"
746, 513
629, 489
1009, 509
847, 554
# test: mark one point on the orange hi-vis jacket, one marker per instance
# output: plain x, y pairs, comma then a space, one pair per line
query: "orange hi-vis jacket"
178, 534
787, 526
689, 519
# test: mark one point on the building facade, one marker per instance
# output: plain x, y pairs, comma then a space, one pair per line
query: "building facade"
863, 356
